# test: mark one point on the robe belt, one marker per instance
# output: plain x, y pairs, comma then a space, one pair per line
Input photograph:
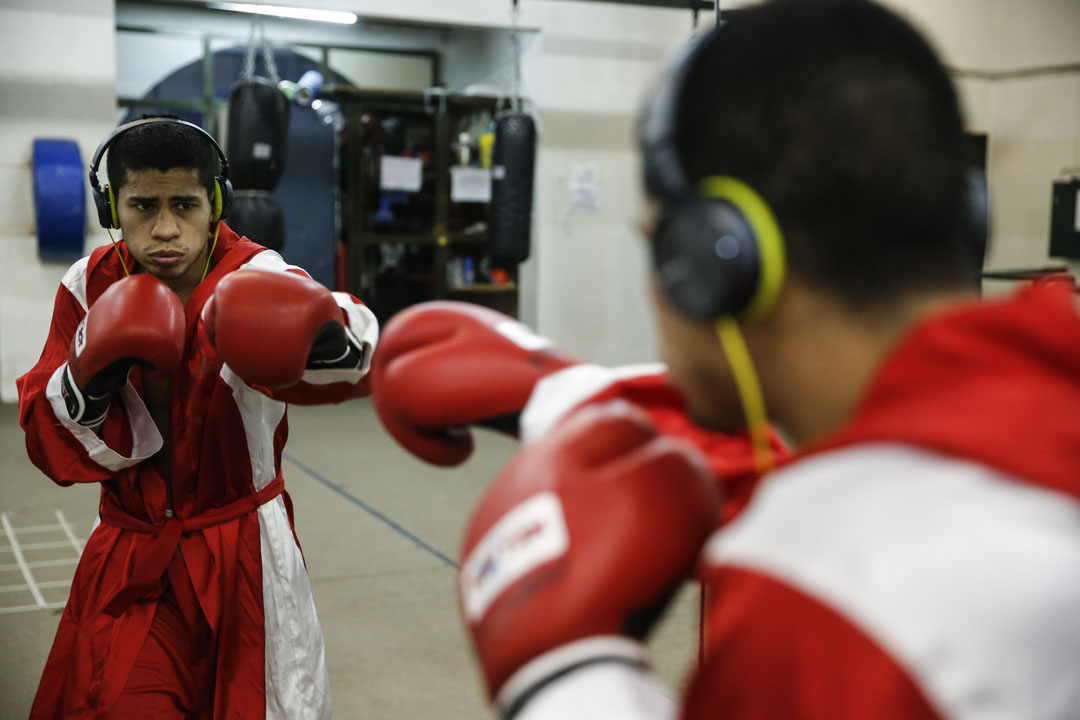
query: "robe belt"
162, 557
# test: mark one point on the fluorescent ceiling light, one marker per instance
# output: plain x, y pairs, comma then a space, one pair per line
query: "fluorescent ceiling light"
334, 16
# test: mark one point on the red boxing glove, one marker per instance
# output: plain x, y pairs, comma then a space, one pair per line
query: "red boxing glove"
136, 320
264, 324
444, 365
578, 545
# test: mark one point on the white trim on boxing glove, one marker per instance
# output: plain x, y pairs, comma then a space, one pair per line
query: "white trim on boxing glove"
552, 667
604, 691
556, 395
363, 325
145, 437
361, 334
77, 404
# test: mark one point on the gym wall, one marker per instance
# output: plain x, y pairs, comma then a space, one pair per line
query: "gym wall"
57, 79
1018, 69
589, 69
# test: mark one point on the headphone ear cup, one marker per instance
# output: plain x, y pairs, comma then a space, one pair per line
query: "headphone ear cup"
215, 203
706, 258
101, 203
977, 222
223, 198
105, 202
113, 217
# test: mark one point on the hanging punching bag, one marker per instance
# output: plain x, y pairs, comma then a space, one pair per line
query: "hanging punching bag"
257, 215
513, 164
258, 127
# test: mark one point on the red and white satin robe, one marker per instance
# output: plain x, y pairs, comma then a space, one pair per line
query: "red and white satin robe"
227, 548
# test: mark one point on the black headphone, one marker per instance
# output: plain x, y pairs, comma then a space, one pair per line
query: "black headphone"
718, 250
977, 222
105, 200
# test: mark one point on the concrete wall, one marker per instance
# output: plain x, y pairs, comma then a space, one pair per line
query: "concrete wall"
1018, 68
585, 283
145, 57
57, 79
1036, 122
588, 69
597, 59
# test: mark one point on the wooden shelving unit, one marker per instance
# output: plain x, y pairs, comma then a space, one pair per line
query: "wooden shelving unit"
400, 256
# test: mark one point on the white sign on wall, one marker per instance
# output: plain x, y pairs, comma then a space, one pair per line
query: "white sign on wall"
400, 173
585, 194
470, 184
584, 188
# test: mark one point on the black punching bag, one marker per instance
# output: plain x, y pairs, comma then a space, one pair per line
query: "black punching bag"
256, 215
258, 127
512, 188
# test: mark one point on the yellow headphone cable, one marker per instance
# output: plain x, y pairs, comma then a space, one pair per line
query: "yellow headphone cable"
120, 255
750, 395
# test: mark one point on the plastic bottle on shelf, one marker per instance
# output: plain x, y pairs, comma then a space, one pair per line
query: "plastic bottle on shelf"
464, 149
487, 148
453, 272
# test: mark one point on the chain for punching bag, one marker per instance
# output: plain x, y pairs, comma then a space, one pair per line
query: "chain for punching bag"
258, 121
248, 70
513, 166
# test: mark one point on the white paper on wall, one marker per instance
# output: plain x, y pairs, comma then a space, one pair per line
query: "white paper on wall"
400, 173
584, 188
470, 184
586, 196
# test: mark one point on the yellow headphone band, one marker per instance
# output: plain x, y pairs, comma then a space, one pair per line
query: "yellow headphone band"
115, 224
770, 239
771, 271
112, 207
216, 202
214, 218
206, 269
119, 254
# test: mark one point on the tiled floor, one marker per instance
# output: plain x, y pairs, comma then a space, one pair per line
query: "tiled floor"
380, 531
36, 561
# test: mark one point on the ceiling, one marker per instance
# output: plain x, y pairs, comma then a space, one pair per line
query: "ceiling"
683, 4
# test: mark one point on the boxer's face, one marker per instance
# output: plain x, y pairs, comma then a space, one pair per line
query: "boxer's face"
165, 219
695, 359
697, 366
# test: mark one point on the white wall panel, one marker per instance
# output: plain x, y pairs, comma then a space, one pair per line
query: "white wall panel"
589, 67
959, 30
57, 78
975, 103
16, 200
43, 46
27, 290
1042, 108
143, 55
1039, 33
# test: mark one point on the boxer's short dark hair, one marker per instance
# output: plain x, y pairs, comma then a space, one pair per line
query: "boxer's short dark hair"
843, 118
162, 146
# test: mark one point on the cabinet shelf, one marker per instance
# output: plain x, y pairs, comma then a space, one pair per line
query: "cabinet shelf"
377, 238
409, 260
483, 288
460, 238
